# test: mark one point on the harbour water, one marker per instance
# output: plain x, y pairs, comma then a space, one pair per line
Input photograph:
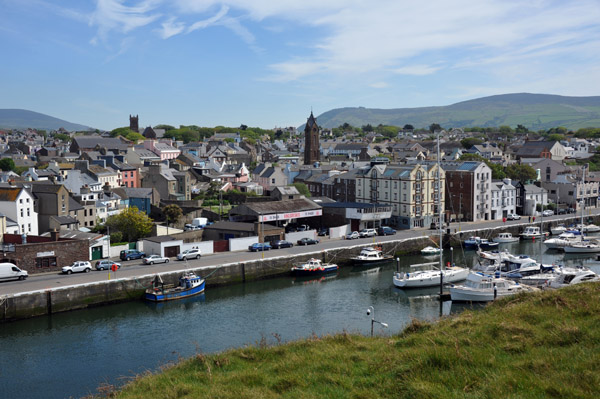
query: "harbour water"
72, 354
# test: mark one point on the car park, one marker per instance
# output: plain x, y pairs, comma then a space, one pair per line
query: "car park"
106, 264
368, 233
129, 254
259, 246
352, 235
78, 267
307, 241
193, 253
281, 244
513, 216
548, 212
152, 259
386, 231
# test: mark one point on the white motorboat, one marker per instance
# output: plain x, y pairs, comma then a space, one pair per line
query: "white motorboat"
494, 255
556, 230
429, 278
588, 228
533, 233
427, 251
570, 276
371, 255
564, 239
503, 238
480, 287
519, 259
582, 247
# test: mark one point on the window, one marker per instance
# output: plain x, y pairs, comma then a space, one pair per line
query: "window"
21, 212
28, 212
21, 201
49, 261
404, 185
404, 197
29, 227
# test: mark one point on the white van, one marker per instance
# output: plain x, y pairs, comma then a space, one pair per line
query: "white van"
10, 271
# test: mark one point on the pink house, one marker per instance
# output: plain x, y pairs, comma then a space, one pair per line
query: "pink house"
163, 149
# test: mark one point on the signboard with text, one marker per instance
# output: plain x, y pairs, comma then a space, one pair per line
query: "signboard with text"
290, 215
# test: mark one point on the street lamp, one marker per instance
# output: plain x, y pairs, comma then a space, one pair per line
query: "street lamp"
452, 256
371, 311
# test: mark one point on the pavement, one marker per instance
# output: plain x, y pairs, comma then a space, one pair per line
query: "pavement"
135, 268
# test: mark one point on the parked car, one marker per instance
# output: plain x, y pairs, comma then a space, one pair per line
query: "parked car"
281, 244
77, 267
152, 259
513, 216
307, 241
323, 231
368, 233
128, 254
386, 231
548, 212
570, 210
352, 236
303, 227
561, 211
106, 264
259, 246
193, 253
10, 271
191, 227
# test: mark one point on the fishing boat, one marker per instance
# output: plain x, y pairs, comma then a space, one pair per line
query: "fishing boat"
503, 238
428, 251
430, 277
480, 287
313, 267
533, 233
189, 285
371, 255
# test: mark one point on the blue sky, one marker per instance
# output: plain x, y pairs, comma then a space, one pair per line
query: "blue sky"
267, 63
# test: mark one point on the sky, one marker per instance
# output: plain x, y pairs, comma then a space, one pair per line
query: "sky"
269, 63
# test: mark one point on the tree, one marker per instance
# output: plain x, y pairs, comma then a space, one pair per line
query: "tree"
521, 129
302, 189
434, 127
173, 213
131, 222
470, 142
7, 164
408, 127
521, 173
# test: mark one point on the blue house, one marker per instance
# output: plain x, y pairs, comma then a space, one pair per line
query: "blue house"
142, 198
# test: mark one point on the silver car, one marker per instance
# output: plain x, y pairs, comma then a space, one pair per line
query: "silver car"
78, 266
152, 259
189, 254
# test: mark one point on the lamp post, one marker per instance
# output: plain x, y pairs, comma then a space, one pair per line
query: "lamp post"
371, 312
452, 256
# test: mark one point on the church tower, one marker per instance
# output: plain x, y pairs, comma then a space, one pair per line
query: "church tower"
133, 123
311, 140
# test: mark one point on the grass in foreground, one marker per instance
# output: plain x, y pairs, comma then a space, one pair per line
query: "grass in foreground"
543, 345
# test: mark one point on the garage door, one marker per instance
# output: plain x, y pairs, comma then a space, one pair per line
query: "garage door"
171, 251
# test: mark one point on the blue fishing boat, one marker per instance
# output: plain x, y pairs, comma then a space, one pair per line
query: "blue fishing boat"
314, 267
189, 285
474, 242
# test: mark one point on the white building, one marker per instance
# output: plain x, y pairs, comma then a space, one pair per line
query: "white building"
503, 199
17, 204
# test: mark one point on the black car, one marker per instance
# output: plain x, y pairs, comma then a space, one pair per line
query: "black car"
281, 244
307, 241
323, 231
561, 211
386, 231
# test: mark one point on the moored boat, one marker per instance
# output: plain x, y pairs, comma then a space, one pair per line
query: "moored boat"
189, 284
480, 287
582, 247
570, 276
429, 278
533, 233
371, 255
475, 242
563, 240
557, 230
427, 251
503, 238
313, 267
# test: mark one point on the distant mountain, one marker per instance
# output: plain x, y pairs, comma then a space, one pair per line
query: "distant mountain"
23, 119
534, 111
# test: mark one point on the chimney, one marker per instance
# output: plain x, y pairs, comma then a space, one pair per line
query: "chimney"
54, 235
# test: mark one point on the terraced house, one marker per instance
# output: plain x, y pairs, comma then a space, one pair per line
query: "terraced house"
411, 190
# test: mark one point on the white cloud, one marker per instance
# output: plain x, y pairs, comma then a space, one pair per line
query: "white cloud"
379, 85
416, 70
171, 28
112, 15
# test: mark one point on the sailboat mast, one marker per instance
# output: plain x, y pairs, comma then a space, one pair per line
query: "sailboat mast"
439, 203
582, 199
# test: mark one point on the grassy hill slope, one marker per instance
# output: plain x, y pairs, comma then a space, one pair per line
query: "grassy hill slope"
541, 345
23, 119
535, 111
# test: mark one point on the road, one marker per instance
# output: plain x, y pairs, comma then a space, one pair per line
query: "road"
135, 268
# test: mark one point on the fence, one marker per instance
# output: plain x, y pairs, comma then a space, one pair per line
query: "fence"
241, 244
339, 232
293, 237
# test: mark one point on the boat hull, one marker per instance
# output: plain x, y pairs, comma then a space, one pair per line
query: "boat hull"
299, 272
431, 279
361, 261
169, 295
461, 294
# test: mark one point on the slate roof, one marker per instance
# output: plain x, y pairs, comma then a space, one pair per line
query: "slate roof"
93, 141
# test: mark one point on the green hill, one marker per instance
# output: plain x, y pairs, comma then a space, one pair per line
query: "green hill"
540, 345
24, 119
534, 111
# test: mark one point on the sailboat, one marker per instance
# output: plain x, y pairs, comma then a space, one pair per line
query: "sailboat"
430, 275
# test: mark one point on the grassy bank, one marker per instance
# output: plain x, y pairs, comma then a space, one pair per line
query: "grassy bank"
544, 345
